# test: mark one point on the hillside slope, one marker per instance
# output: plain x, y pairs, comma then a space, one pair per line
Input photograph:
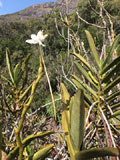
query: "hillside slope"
40, 10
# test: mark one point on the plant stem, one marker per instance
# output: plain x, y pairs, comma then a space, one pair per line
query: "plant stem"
50, 88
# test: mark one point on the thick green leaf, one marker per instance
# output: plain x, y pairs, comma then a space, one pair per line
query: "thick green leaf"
113, 47
117, 113
17, 74
65, 121
78, 85
115, 106
28, 149
64, 94
97, 152
93, 48
16, 71
84, 62
86, 87
85, 73
9, 65
65, 113
25, 92
5, 79
93, 78
66, 127
25, 69
77, 120
112, 84
70, 147
39, 155
66, 117
25, 61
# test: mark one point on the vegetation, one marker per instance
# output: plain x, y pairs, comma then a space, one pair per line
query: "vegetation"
82, 52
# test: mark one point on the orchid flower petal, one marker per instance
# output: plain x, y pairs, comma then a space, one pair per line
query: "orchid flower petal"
40, 33
45, 36
34, 37
41, 44
40, 36
30, 41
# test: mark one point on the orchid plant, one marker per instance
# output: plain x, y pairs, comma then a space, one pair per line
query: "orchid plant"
21, 96
18, 96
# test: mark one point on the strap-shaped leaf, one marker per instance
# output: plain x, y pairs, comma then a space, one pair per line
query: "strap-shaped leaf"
69, 144
64, 94
78, 85
112, 96
25, 61
97, 152
112, 64
115, 70
85, 73
25, 69
87, 88
42, 152
93, 78
17, 73
84, 62
117, 113
77, 120
115, 106
65, 126
9, 65
25, 92
112, 84
65, 123
113, 47
66, 117
16, 69
66, 112
93, 48
5, 79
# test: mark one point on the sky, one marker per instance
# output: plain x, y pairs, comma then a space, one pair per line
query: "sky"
12, 6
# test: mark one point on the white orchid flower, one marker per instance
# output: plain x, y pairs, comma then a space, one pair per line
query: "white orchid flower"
39, 38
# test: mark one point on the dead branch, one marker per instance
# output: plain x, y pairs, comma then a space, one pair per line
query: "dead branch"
101, 27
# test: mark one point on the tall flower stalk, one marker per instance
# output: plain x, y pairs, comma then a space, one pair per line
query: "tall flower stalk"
39, 39
50, 88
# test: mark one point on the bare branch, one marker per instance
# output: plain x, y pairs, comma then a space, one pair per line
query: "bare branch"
29, 115
62, 35
65, 76
101, 27
108, 126
93, 8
